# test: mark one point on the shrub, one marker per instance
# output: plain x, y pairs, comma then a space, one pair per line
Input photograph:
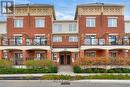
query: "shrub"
105, 76
39, 64
5, 64
27, 71
77, 69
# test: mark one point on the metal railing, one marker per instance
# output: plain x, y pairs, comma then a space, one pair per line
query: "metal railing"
118, 41
22, 42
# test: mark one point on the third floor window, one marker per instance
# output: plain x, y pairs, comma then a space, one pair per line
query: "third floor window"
57, 28
112, 22
90, 22
18, 23
39, 23
72, 27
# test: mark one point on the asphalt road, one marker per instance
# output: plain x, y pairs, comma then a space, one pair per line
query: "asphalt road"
21, 83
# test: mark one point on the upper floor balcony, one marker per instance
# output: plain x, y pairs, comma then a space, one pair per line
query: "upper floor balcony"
107, 42
24, 42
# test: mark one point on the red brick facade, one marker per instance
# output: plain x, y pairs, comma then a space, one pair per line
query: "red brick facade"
64, 52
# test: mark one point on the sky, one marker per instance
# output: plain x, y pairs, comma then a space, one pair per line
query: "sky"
65, 9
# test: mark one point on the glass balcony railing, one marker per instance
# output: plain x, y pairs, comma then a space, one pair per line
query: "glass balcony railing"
24, 42
118, 41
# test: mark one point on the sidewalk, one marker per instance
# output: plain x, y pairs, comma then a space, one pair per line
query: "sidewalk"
72, 74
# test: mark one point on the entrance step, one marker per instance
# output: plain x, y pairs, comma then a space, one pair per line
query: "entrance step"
65, 69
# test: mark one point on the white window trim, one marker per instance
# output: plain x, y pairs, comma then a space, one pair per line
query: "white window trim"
39, 18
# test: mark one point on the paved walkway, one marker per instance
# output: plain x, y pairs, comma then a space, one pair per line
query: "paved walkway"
65, 69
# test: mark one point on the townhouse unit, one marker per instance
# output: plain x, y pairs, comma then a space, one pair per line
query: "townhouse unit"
33, 33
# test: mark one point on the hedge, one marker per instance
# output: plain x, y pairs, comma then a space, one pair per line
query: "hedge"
77, 69
27, 71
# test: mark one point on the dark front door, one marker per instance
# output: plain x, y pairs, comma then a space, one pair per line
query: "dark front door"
65, 58
68, 58
62, 59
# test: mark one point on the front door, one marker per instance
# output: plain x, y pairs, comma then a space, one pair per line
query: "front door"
18, 58
65, 58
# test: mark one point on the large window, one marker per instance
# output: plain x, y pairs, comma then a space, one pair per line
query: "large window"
40, 22
57, 28
73, 39
72, 27
57, 39
18, 23
90, 22
112, 22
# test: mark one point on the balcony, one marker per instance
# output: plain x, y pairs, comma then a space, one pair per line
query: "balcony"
108, 42
24, 42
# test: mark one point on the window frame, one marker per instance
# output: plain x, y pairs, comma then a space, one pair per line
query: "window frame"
111, 22
19, 25
39, 19
57, 39
73, 39
89, 21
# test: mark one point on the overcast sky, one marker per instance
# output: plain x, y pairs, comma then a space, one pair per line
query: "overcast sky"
65, 9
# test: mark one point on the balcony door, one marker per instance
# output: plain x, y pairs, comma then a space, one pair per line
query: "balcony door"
112, 39
18, 40
90, 40
39, 40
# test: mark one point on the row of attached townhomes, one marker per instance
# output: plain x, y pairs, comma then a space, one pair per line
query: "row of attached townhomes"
33, 33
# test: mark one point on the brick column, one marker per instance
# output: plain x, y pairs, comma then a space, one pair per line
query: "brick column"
106, 54
25, 55
1, 54
81, 53
49, 54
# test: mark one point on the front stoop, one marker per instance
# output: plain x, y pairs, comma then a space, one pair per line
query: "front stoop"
65, 70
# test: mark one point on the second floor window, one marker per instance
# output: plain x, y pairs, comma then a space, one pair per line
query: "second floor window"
90, 22
112, 22
73, 39
72, 27
18, 23
39, 23
57, 39
57, 28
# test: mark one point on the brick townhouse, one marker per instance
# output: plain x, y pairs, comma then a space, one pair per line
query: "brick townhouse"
33, 33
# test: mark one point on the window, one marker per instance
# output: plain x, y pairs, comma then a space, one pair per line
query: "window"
18, 23
57, 28
90, 40
18, 40
57, 39
73, 39
112, 22
54, 56
91, 54
40, 56
75, 55
5, 54
40, 40
72, 27
90, 22
113, 54
39, 22
112, 39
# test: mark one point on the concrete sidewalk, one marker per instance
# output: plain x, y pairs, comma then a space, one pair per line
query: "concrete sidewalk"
74, 74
